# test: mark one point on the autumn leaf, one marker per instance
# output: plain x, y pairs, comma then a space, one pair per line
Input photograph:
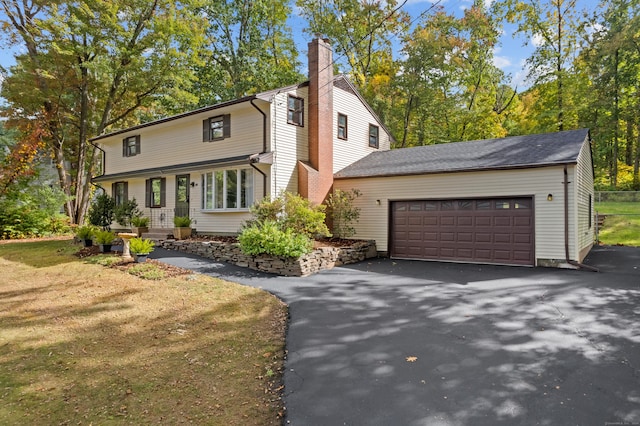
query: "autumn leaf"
412, 358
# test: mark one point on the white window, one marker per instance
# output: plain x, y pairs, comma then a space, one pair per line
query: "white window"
230, 189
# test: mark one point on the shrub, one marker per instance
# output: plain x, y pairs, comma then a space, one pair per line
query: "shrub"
140, 221
86, 232
291, 211
126, 211
105, 237
141, 246
342, 212
182, 221
101, 212
266, 237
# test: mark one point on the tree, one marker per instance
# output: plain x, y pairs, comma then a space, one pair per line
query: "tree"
552, 25
249, 49
89, 67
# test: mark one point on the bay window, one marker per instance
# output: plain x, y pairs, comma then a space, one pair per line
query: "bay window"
230, 189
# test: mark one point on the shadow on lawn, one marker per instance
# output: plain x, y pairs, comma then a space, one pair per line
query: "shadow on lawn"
101, 359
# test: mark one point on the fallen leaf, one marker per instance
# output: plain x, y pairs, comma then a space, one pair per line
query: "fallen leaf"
412, 358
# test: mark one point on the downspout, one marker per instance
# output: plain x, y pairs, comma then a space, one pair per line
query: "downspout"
264, 148
566, 227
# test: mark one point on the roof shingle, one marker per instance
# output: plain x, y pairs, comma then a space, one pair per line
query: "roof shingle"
505, 153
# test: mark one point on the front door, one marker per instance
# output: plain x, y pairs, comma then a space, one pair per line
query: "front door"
182, 195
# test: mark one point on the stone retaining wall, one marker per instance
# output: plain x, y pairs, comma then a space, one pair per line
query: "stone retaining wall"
319, 259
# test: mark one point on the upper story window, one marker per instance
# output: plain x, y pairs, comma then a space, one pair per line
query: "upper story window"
295, 111
119, 192
373, 136
230, 189
131, 146
216, 128
342, 126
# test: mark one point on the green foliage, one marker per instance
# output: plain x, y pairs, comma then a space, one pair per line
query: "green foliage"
101, 212
147, 271
104, 237
86, 232
141, 245
291, 211
104, 260
32, 212
267, 237
342, 212
182, 221
127, 211
140, 221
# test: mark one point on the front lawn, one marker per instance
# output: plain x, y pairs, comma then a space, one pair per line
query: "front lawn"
82, 343
622, 223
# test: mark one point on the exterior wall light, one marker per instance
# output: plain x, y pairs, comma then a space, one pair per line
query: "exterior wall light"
550, 197
378, 202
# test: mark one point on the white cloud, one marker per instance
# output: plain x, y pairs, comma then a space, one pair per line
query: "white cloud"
501, 62
537, 40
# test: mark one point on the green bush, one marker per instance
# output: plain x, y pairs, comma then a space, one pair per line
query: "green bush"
86, 232
291, 211
182, 221
32, 212
140, 221
141, 246
126, 211
342, 212
105, 237
266, 237
101, 212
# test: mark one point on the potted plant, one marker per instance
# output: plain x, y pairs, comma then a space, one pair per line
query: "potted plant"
85, 234
181, 227
104, 240
140, 248
139, 225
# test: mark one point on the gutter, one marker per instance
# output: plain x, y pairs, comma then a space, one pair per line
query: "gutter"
264, 148
566, 227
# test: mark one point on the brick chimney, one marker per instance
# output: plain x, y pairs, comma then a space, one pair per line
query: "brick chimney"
315, 177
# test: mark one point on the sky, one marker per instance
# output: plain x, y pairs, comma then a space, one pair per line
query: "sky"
510, 55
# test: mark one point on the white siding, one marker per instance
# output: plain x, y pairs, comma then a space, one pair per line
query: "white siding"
346, 152
538, 182
220, 222
289, 143
180, 141
583, 178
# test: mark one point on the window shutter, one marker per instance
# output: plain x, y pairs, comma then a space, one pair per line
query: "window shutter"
138, 145
226, 126
205, 130
124, 147
147, 194
113, 190
126, 191
204, 192
163, 192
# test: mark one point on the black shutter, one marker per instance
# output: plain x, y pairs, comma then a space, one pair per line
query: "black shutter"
124, 147
163, 192
113, 190
125, 191
226, 126
206, 131
137, 144
147, 194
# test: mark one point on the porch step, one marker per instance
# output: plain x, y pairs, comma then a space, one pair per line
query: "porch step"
158, 234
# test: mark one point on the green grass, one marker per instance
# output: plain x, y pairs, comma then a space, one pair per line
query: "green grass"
622, 224
81, 343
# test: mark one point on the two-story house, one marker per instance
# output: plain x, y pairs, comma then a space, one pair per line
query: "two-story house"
523, 200
214, 163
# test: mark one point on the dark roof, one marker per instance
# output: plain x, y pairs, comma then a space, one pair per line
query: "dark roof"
489, 154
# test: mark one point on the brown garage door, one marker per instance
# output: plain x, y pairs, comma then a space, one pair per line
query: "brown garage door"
498, 230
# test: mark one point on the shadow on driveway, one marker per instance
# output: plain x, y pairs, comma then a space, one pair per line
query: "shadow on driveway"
387, 342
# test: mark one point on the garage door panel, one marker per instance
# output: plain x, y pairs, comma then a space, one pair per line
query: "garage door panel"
484, 230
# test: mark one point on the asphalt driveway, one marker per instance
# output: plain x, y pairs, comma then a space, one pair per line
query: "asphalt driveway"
388, 342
